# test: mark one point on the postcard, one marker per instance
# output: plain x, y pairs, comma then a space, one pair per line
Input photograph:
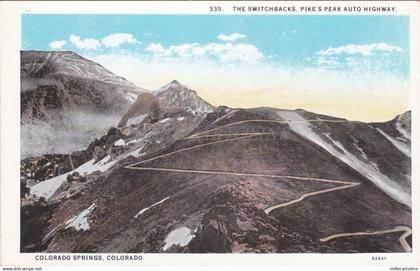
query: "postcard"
208, 133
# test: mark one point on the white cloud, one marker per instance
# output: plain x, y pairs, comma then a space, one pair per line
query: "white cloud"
265, 83
111, 41
363, 49
226, 52
234, 52
155, 48
361, 57
231, 37
57, 44
116, 39
86, 43
331, 62
184, 50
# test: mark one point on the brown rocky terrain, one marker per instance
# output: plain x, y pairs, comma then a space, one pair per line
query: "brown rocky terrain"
201, 179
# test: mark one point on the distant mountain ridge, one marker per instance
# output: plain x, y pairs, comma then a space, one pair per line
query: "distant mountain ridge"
64, 80
62, 92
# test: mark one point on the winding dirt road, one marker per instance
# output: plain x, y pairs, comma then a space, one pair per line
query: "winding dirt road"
407, 232
192, 148
343, 184
262, 120
284, 204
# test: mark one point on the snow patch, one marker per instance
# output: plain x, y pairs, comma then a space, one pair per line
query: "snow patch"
301, 126
48, 187
173, 84
402, 147
142, 211
180, 118
336, 143
119, 142
136, 152
135, 120
362, 153
131, 97
90, 166
81, 221
165, 120
73, 65
142, 142
133, 141
181, 237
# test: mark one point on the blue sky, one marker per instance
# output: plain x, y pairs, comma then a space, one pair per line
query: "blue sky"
286, 39
354, 48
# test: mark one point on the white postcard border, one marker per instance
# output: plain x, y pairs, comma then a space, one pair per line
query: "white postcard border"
10, 39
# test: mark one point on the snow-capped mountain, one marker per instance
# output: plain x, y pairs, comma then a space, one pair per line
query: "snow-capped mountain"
356, 144
176, 95
195, 178
64, 80
62, 92
170, 100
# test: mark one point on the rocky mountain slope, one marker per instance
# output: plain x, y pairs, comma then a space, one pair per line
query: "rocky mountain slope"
203, 179
176, 95
62, 92
398, 131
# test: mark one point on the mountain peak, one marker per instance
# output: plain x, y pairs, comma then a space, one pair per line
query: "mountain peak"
174, 84
86, 95
175, 94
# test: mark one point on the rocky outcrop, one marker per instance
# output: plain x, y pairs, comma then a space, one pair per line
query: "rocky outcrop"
146, 104
171, 100
175, 95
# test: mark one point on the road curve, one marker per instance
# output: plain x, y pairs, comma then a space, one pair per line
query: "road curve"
344, 184
242, 174
222, 135
284, 204
194, 147
407, 231
265, 120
